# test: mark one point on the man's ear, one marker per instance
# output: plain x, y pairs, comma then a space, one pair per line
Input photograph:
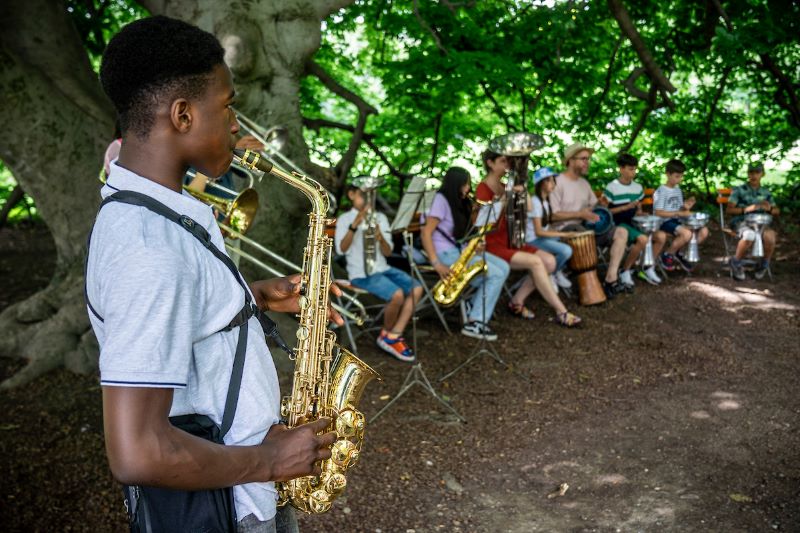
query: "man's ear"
180, 114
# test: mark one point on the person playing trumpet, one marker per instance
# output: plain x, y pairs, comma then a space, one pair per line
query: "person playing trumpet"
388, 283
446, 223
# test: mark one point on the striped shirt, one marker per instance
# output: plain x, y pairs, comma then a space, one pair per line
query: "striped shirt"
619, 194
668, 199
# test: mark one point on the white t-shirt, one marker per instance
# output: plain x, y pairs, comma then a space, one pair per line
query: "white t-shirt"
164, 298
355, 254
668, 199
536, 212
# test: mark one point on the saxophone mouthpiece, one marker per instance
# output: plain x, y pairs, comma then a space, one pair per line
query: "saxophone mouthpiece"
252, 160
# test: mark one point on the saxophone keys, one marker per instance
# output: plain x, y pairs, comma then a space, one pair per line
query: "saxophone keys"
302, 333
303, 302
350, 423
344, 453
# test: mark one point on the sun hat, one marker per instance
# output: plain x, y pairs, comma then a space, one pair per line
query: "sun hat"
543, 173
570, 152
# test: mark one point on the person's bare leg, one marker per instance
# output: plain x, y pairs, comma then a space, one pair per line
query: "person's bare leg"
407, 310
541, 279
742, 247
634, 252
392, 310
680, 240
617, 251
769, 238
702, 235
519, 261
548, 259
659, 240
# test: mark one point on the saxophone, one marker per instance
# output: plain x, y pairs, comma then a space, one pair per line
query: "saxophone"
447, 291
323, 386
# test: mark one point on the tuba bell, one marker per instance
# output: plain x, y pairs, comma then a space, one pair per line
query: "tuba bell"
369, 186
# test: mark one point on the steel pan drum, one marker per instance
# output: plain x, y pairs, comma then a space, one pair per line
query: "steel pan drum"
758, 219
695, 221
647, 223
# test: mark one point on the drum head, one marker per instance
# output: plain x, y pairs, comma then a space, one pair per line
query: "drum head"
602, 226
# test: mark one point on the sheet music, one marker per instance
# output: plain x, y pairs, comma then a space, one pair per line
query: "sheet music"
489, 214
415, 199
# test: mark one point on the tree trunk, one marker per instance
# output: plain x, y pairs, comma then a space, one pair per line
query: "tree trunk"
57, 123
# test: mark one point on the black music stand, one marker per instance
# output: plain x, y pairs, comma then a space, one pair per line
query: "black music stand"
484, 347
416, 376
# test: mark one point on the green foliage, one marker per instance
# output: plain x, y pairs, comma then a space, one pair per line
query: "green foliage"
479, 69
24, 210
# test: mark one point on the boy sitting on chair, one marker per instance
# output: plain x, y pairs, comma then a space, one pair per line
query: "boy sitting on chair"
624, 197
745, 199
668, 203
390, 284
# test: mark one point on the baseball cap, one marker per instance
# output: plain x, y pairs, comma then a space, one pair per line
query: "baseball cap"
570, 152
543, 173
755, 166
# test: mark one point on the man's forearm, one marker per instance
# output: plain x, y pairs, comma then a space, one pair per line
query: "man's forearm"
565, 215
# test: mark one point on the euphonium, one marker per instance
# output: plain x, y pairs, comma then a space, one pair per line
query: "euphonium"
447, 291
322, 386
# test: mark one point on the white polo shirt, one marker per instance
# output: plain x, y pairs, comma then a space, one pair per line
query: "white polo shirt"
163, 298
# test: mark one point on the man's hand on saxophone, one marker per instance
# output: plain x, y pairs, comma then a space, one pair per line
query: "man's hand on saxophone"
296, 452
282, 295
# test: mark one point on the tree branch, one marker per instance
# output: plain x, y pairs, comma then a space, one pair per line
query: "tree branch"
427, 27
649, 107
497, 107
626, 25
326, 7
607, 84
709, 122
437, 121
630, 84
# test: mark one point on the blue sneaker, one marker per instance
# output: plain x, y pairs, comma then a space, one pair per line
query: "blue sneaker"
668, 262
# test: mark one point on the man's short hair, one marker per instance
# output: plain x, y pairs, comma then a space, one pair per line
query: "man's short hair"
675, 166
627, 160
154, 60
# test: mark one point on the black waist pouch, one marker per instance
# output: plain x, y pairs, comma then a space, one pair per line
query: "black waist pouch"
156, 510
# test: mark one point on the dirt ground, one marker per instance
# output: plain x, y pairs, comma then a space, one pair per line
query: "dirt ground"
673, 409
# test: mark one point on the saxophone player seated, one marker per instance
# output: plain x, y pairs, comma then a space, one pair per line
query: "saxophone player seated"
392, 285
446, 223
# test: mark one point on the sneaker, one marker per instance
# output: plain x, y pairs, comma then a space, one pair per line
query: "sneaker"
562, 280
478, 330
553, 283
738, 269
626, 279
397, 348
762, 270
686, 265
668, 262
650, 276
612, 289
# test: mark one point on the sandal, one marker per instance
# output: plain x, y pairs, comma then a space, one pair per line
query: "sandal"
567, 319
521, 311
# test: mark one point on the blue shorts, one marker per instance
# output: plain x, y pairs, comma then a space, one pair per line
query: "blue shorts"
670, 225
385, 284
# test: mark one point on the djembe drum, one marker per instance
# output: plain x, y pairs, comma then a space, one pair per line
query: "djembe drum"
584, 263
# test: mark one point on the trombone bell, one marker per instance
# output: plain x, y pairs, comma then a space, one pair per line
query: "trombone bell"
237, 213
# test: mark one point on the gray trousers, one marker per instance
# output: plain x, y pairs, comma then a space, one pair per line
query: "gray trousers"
283, 522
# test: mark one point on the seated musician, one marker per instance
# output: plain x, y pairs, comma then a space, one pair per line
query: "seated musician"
536, 262
390, 284
447, 222
748, 198
572, 202
538, 230
668, 203
623, 196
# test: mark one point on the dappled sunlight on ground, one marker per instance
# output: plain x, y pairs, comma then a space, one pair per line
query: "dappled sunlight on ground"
741, 297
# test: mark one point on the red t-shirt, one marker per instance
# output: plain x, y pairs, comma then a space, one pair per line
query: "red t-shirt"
497, 239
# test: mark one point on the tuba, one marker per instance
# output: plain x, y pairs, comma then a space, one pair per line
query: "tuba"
516, 147
328, 380
369, 186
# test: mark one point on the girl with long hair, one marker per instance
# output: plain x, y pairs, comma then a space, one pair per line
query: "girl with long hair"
446, 223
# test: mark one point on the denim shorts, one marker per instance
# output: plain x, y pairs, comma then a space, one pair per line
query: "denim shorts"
670, 226
385, 284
